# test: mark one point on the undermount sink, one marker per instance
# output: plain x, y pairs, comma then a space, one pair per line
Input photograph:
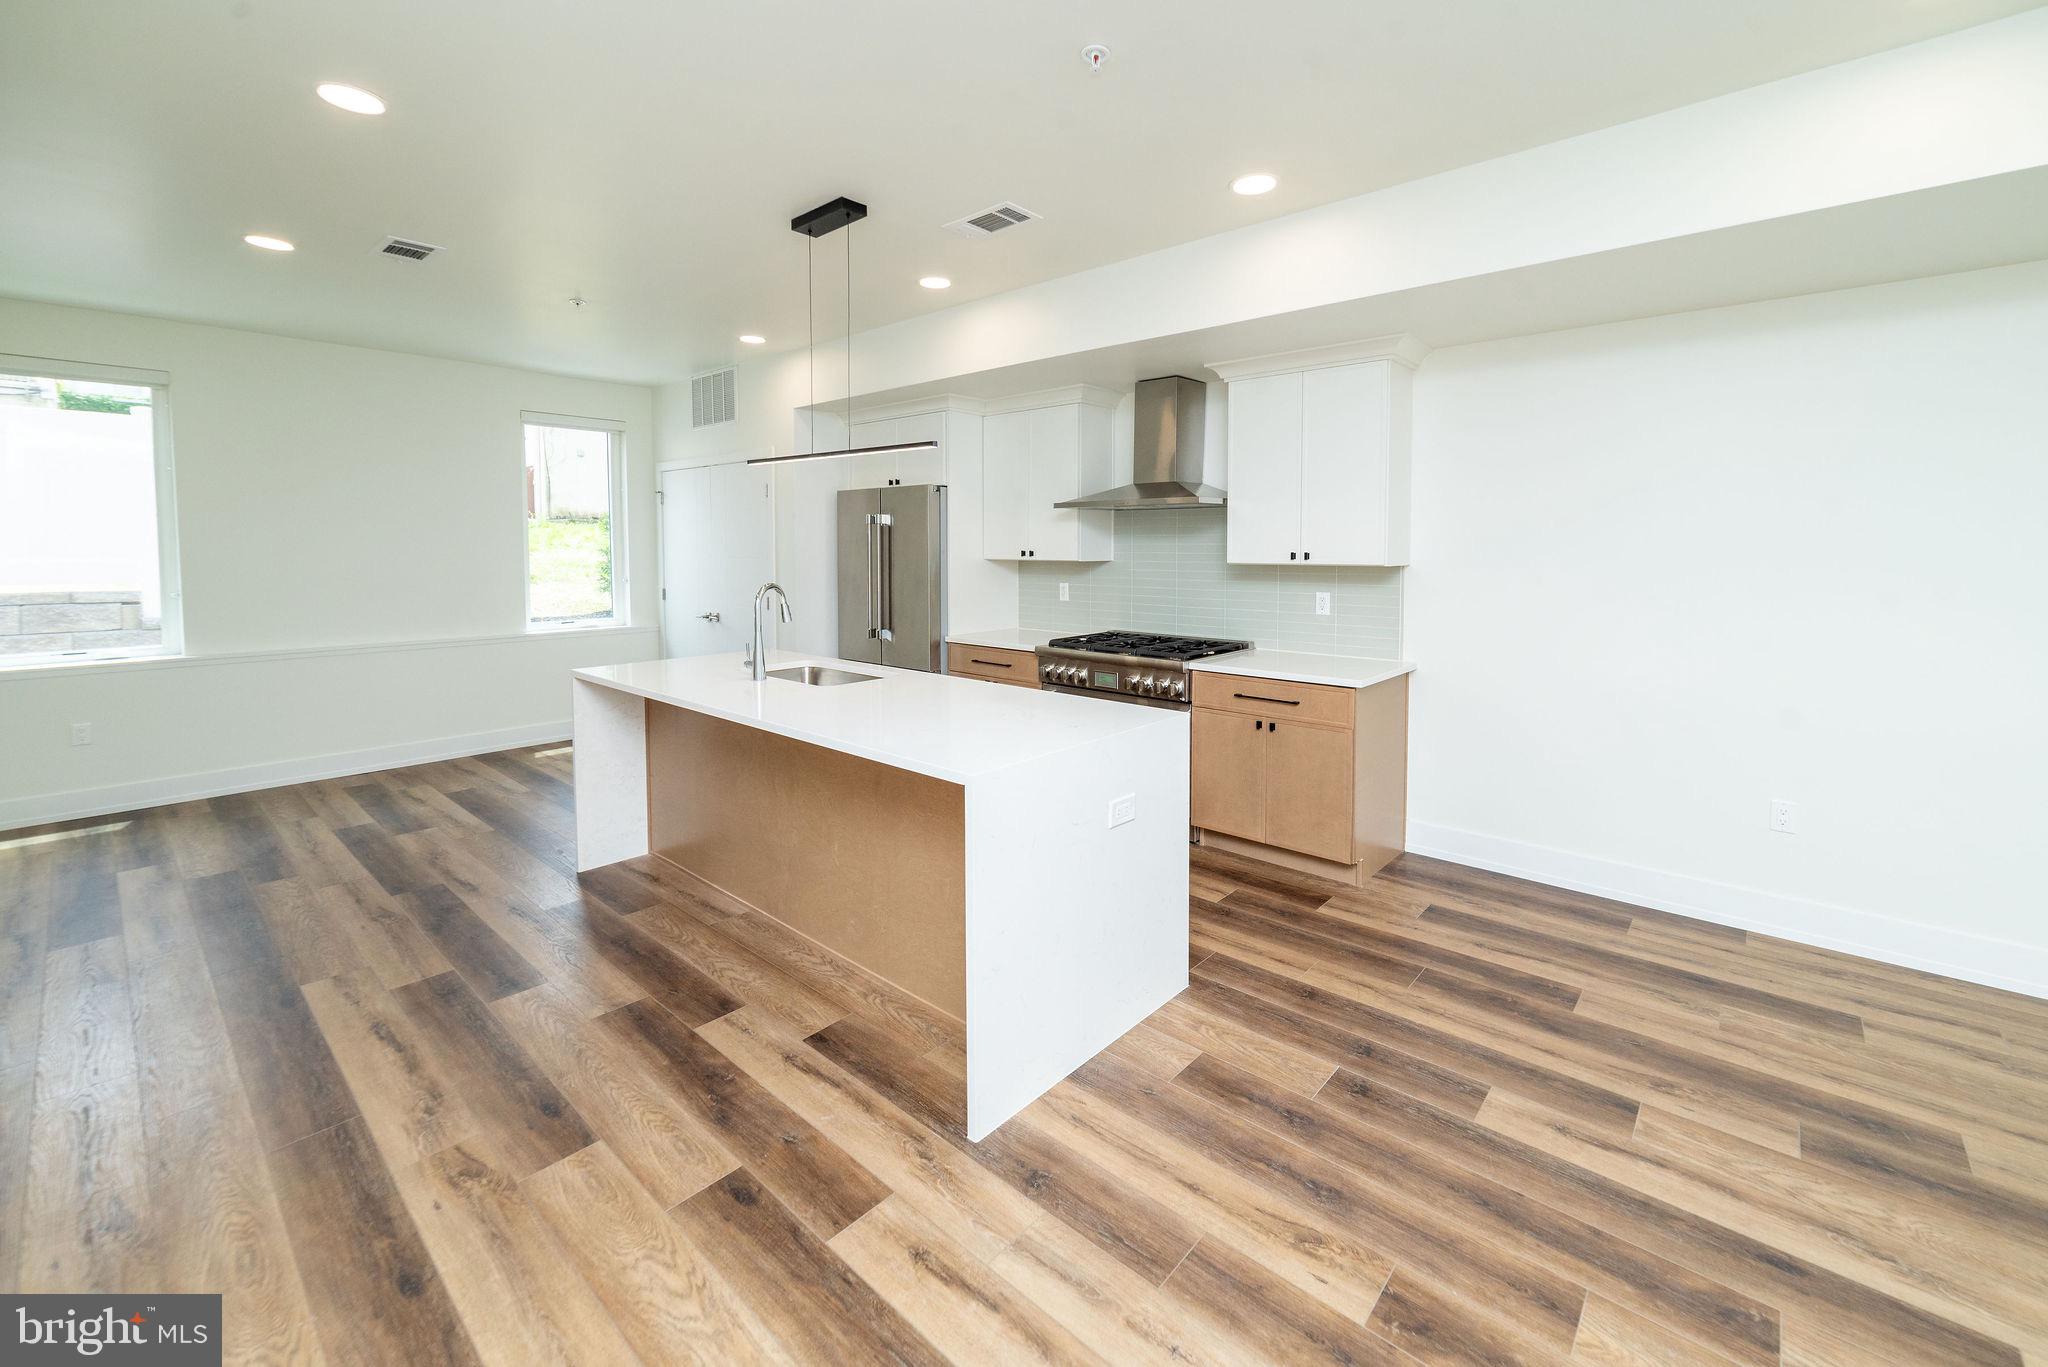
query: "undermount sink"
821, 676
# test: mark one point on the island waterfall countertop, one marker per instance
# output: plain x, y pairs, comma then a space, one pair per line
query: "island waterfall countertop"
1016, 859
951, 729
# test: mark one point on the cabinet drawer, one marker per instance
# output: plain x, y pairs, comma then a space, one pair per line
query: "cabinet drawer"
998, 666
1318, 704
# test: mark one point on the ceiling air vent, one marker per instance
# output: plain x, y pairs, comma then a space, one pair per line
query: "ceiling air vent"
711, 398
991, 220
407, 248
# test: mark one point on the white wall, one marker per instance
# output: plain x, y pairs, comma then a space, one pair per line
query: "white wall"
1667, 571
328, 496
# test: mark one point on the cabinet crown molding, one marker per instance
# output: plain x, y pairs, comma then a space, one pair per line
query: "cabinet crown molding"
1093, 395
1402, 349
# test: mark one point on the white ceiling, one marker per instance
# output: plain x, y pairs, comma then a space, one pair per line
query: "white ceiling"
648, 154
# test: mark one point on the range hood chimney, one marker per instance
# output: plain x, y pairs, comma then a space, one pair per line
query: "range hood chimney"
1166, 451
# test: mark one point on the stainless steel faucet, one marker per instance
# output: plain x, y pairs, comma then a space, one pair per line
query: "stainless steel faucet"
757, 660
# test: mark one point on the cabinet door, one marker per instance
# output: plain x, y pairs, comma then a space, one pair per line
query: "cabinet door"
871, 472
922, 467
1262, 521
1227, 785
1005, 485
1344, 459
1308, 789
1055, 474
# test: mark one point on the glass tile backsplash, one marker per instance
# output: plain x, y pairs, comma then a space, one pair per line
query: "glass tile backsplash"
1169, 575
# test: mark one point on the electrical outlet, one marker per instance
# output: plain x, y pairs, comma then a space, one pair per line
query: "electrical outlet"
1123, 809
81, 733
1784, 817
1322, 605
1066, 591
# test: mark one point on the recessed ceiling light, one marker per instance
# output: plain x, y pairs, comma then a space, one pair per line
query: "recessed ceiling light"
352, 98
268, 243
936, 282
751, 339
1257, 183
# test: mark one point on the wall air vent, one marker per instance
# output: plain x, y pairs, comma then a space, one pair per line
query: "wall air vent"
991, 220
407, 248
711, 398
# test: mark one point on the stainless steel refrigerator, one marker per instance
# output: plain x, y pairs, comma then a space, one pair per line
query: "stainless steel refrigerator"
892, 576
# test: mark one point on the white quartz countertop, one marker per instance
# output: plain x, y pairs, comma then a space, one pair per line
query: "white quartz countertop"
1004, 638
950, 728
1340, 671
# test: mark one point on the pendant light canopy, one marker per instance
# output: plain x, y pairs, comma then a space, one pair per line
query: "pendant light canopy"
819, 222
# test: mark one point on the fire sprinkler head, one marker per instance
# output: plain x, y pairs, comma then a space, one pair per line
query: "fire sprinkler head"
1095, 54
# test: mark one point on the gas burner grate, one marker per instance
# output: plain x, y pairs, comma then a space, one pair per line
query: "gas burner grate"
1145, 645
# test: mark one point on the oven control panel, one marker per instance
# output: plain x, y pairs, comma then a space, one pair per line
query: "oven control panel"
1167, 685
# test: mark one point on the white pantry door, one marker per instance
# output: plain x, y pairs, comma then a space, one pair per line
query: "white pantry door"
717, 548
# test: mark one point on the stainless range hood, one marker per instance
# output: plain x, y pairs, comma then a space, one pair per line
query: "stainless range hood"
1166, 453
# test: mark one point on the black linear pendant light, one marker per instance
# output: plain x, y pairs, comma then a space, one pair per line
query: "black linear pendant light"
817, 223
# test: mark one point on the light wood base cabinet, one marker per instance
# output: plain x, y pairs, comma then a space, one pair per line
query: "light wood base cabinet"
1333, 789
1016, 667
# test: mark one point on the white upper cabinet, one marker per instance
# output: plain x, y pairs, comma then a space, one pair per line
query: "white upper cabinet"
1005, 485
921, 467
1262, 521
909, 467
1318, 455
1035, 454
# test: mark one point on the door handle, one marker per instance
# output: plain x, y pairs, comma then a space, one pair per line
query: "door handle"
709, 616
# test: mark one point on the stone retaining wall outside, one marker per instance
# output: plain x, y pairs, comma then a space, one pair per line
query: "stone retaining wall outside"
41, 623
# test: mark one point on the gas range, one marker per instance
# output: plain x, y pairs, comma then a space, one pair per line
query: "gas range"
1134, 666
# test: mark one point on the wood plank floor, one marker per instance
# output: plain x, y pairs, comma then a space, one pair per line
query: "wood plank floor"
368, 1057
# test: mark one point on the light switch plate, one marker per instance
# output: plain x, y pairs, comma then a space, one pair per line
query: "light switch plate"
1123, 809
1064, 594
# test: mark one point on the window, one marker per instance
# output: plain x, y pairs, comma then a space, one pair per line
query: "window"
88, 559
572, 523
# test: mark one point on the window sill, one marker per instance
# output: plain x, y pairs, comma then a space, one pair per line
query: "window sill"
12, 664
574, 628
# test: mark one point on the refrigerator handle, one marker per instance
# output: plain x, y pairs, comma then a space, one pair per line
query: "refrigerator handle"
874, 570
885, 578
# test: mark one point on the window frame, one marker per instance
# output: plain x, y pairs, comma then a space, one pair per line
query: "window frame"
615, 444
169, 587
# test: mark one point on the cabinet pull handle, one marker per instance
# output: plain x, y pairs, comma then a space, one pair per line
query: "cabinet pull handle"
992, 664
1290, 555
1304, 555
1258, 726
1260, 697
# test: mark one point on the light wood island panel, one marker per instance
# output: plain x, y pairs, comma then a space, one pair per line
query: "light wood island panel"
865, 859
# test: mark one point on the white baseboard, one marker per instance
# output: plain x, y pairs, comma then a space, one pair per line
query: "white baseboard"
159, 792
1872, 935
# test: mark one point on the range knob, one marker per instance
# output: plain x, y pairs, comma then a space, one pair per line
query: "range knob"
1045, 671
1148, 685
1073, 674
1178, 688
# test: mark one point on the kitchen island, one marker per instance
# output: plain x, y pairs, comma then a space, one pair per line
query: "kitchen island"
1015, 859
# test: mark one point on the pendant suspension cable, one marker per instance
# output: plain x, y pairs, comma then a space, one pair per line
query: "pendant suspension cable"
830, 218
811, 322
849, 334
